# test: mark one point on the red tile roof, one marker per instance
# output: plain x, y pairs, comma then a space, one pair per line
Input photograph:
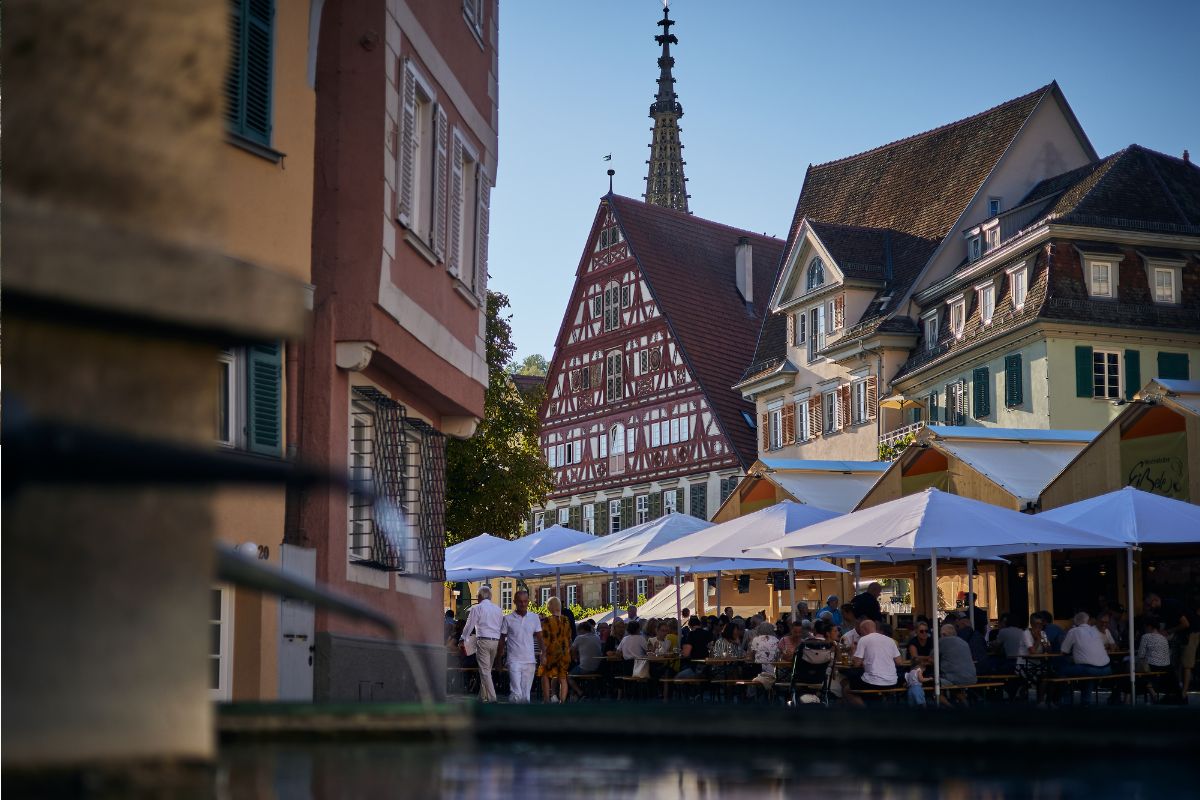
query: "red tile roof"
688, 264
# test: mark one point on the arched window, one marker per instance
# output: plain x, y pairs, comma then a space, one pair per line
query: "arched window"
816, 274
616, 449
612, 306
613, 385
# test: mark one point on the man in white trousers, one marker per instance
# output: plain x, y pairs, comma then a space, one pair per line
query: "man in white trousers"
484, 621
518, 633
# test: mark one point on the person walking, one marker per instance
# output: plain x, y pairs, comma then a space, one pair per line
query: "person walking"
483, 622
518, 634
556, 652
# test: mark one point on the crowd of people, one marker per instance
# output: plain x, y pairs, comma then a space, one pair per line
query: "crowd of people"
803, 649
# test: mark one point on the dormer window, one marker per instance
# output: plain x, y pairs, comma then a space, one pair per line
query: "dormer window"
1101, 279
987, 302
958, 316
816, 274
1018, 285
931, 331
991, 238
1164, 285
974, 247
1165, 277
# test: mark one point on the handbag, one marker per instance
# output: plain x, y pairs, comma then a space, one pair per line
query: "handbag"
641, 668
469, 645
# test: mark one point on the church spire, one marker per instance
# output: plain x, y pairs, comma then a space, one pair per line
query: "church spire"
665, 184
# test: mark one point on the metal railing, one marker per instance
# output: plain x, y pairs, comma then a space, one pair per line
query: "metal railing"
892, 437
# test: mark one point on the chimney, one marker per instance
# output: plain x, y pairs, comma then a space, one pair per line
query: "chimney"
743, 268
1187, 157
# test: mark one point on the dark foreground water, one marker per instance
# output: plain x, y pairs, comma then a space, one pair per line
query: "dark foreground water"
641, 768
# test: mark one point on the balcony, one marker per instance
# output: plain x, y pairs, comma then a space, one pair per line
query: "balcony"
892, 443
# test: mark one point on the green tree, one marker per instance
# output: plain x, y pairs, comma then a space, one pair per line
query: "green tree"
493, 478
535, 364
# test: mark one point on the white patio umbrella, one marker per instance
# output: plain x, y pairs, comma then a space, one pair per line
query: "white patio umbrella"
514, 557
719, 547
1136, 518
458, 553
930, 524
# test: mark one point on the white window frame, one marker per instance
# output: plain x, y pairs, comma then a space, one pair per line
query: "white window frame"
809, 286
956, 403
668, 500
564, 516
775, 425
655, 437
539, 521
641, 509
506, 596
974, 247
614, 379
1018, 276
234, 398
546, 593
995, 204
803, 420
958, 307
816, 336
674, 424
1111, 265
425, 135
614, 516
684, 429
1108, 375
1176, 273
223, 691
612, 306
473, 14
589, 518
829, 409
641, 587
987, 302
858, 401
572, 594
931, 330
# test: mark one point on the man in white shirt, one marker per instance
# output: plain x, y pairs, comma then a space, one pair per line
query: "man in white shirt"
484, 621
1088, 656
518, 633
877, 656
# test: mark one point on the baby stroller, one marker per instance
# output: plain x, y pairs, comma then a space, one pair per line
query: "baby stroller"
812, 663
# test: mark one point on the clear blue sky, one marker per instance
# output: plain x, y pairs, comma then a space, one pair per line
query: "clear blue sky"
770, 87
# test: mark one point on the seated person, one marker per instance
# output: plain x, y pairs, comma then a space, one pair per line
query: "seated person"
764, 648
849, 628
814, 656
1005, 647
1087, 657
789, 643
973, 638
957, 667
586, 649
694, 649
1154, 653
665, 644
875, 662
633, 643
920, 646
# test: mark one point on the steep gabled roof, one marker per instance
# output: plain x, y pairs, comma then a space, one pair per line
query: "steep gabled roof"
688, 264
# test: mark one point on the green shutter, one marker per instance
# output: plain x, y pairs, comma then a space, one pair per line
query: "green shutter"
933, 406
547, 519
1173, 366
248, 82
980, 382
1083, 371
1013, 395
1133, 373
264, 373
576, 518
699, 501
679, 500
601, 518
655, 504
627, 520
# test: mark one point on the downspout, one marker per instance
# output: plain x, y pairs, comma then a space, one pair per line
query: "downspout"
292, 532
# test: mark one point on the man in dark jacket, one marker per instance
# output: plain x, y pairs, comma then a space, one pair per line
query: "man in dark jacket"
866, 605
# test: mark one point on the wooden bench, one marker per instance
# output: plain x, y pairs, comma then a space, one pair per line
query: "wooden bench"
683, 683
630, 681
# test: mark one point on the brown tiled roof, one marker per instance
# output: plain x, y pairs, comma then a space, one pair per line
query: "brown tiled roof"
912, 190
1134, 188
688, 264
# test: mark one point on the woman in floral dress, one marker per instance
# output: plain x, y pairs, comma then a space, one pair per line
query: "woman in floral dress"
556, 643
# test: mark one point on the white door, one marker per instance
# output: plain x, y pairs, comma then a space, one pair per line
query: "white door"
296, 629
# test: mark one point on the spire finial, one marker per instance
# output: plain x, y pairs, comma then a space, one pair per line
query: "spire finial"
611, 172
665, 184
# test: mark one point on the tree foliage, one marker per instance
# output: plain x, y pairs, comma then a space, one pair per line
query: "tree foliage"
496, 476
534, 364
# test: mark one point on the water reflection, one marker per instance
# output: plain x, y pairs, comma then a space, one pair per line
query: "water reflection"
646, 769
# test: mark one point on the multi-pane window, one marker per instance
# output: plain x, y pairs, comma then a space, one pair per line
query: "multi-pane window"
958, 317
816, 274
230, 366
467, 199
799, 328
564, 516
614, 516
1106, 374
668, 499
829, 411
219, 684
1164, 285
1100, 279
473, 13
993, 206
539, 522
506, 596
803, 421
641, 509
642, 587
608, 237
545, 595
931, 331
612, 306
987, 303
974, 248
816, 336
572, 594
249, 398
248, 81
614, 388
589, 518
991, 238
1018, 285
858, 400
775, 421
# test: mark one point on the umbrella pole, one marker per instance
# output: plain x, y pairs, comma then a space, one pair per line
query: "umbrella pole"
1129, 610
718, 594
937, 663
557, 584
971, 590
792, 588
678, 598
857, 574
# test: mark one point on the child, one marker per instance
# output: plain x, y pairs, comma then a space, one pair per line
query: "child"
916, 690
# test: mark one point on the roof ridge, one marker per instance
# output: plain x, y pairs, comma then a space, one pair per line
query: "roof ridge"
693, 217
847, 227
1006, 104
1162, 183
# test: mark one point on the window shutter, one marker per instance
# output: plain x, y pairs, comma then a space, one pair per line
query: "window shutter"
627, 520
960, 404
256, 80
933, 406
679, 500
788, 415
601, 515
264, 427
406, 147
454, 261
802, 320
980, 380
235, 70
765, 429
815, 428
1172, 366
441, 181
698, 501
1083, 371
872, 397
482, 223
839, 311
843, 405
791, 329
1012, 381
951, 407
654, 505
576, 522
1133, 373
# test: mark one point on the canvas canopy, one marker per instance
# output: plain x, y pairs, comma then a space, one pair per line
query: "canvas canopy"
611, 552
